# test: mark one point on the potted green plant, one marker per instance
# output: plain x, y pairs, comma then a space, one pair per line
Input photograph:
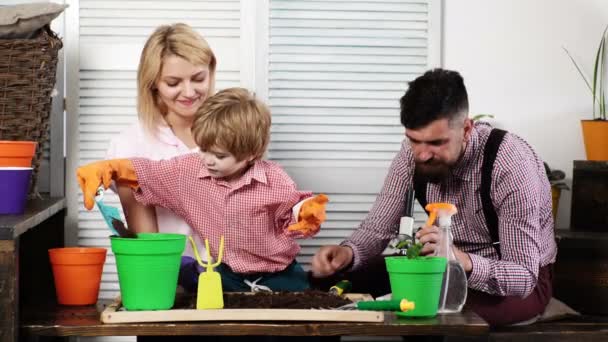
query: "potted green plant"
595, 131
416, 278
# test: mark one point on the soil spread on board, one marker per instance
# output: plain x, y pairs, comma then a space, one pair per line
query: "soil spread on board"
311, 299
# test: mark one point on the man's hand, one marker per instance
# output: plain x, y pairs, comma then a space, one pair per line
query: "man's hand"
464, 259
312, 214
429, 236
92, 175
331, 259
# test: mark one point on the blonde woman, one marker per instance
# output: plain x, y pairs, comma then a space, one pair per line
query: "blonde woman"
176, 75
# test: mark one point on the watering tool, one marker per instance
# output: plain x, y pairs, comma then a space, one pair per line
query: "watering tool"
341, 287
454, 286
210, 294
112, 217
442, 212
401, 305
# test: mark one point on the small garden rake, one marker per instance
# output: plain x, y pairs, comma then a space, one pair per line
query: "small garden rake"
210, 294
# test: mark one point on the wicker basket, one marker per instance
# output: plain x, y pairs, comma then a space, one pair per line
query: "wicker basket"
27, 77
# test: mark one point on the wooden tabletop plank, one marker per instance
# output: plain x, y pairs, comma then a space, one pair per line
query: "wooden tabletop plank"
85, 321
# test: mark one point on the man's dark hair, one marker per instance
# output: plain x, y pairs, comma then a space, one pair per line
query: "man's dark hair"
437, 94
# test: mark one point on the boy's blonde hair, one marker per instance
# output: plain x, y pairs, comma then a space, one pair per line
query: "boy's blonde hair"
234, 120
168, 40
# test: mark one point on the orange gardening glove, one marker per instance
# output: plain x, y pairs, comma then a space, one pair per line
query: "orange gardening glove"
92, 175
312, 214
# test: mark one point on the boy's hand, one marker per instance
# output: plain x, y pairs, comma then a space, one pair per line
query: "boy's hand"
312, 214
103, 172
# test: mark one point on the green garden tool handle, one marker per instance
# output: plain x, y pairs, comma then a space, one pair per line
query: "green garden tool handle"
386, 305
343, 286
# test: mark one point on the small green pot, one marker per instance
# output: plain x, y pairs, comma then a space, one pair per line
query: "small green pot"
148, 267
417, 280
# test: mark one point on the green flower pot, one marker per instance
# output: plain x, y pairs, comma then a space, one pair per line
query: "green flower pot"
148, 267
417, 280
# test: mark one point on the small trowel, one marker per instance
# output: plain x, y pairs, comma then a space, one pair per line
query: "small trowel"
112, 217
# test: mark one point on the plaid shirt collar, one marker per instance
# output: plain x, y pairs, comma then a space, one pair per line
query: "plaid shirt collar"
255, 172
462, 170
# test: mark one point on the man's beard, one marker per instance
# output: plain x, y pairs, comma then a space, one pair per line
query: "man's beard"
432, 171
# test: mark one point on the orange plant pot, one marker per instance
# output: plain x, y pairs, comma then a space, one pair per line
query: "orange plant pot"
17, 153
77, 273
595, 135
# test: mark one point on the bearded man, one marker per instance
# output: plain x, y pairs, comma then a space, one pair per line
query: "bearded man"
503, 232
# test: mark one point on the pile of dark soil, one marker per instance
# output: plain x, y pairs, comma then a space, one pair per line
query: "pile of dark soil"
310, 299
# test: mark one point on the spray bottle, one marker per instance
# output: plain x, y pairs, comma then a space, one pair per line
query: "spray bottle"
454, 286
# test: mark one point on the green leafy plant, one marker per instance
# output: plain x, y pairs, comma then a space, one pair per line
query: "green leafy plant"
597, 87
481, 116
413, 251
410, 249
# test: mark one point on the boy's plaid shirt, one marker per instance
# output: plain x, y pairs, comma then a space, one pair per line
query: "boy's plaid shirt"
252, 212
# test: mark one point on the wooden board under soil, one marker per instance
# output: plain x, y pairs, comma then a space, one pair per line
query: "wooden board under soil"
303, 306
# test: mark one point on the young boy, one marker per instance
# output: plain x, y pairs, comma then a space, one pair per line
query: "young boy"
227, 190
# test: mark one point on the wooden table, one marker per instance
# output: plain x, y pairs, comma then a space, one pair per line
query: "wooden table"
25, 273
55, 320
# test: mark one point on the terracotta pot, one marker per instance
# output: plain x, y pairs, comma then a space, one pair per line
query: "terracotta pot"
17, 153
595, 134
555, 194
77, 273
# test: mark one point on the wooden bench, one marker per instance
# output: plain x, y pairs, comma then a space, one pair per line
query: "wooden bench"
580, 281
574, 329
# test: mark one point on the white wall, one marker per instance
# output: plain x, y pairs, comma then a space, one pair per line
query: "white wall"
510, 55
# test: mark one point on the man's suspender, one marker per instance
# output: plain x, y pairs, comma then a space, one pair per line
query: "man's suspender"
489, 155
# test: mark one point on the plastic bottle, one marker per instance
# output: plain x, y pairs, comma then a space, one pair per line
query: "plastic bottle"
454, 287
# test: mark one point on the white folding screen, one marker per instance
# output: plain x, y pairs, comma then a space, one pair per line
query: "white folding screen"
336, 71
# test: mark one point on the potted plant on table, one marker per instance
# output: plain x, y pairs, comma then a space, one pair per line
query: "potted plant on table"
416, 278
595, 132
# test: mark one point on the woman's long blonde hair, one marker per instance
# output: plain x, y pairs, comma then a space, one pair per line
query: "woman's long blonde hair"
168, 40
